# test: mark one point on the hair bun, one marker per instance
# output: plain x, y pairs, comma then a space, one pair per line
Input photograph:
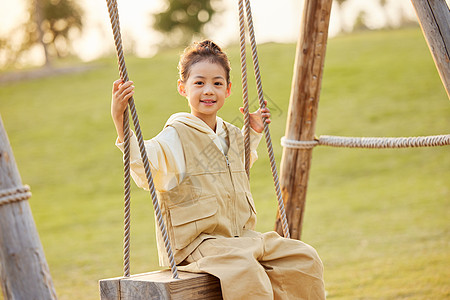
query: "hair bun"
209, 45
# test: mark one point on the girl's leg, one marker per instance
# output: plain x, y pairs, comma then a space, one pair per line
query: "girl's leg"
294, 268
234, 262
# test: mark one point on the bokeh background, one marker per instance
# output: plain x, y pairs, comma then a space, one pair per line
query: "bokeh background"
378, 218
89, 35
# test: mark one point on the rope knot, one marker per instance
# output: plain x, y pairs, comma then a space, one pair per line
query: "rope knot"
14, 194
294, 144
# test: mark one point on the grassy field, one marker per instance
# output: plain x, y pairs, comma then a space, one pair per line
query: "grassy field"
378, 218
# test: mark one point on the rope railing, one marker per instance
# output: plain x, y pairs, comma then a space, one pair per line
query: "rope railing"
114, 16
273, 165
369, 142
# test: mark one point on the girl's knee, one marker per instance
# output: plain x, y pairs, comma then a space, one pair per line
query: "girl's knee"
312, 252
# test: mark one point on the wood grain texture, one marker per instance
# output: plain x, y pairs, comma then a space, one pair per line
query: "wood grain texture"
302, 114
434, 19
23, 269
110, 288
161, 285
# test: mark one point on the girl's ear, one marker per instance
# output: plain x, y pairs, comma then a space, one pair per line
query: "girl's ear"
181, 88
228, 90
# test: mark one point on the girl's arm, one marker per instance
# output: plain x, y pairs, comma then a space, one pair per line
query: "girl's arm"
166, 158
165, 153
121, 93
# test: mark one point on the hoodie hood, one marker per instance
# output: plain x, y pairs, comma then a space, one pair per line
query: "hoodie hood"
190, 120
195, 122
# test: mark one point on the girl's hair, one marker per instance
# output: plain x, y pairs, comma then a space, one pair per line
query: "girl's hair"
201, 51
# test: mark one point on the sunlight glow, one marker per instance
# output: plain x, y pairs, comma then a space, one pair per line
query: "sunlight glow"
278, 22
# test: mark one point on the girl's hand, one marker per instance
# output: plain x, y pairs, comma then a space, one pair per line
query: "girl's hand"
121, 93
256, 118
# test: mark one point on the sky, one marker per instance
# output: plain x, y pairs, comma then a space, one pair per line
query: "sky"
274, 21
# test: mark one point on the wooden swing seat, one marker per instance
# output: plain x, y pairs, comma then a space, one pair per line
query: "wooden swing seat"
161, 285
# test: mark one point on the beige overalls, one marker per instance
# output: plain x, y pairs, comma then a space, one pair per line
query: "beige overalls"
210, 217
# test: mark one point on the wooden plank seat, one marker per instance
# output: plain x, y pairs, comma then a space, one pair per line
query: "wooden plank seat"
161, 285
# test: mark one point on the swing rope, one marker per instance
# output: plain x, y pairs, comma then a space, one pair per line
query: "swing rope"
244, 88
273, 165
114, 16
369, 142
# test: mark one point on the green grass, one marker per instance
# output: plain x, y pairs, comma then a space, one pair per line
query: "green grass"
378, 218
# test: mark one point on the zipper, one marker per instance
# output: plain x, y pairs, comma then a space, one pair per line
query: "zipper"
234, 230
228, 162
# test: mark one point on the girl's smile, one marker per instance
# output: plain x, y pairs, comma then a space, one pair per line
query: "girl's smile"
208, 102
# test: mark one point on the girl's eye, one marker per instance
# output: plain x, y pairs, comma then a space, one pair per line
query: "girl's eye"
218, 83
198, 83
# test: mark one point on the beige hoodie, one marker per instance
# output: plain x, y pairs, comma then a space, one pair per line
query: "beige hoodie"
165, 152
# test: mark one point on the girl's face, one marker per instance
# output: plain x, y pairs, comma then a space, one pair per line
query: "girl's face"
206, 89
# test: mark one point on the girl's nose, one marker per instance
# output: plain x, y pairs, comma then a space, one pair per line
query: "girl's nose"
208, 90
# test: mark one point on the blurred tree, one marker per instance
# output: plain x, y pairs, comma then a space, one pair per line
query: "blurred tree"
183, 19
360, 22
384, 6
50, 23
38, 19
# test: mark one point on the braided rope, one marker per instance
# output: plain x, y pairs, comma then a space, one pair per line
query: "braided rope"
114, 16
266, 126
113, 12
369, 142
14, 195
293, 144
244, 87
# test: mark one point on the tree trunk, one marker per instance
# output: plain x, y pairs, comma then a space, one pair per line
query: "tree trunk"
303, 104
24, 272
39, 18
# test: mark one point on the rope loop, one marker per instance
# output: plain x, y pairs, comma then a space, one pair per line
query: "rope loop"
287, 143
14, 195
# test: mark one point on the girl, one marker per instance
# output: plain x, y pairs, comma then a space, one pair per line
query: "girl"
198, 166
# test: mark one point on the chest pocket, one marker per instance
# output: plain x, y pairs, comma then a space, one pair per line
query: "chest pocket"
189, 221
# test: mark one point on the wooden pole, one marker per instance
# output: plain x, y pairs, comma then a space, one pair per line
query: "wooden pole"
434, 18
24, 272
303, 104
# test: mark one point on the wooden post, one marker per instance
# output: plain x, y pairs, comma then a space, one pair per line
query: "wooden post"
434, 18
303, 104
24, 272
